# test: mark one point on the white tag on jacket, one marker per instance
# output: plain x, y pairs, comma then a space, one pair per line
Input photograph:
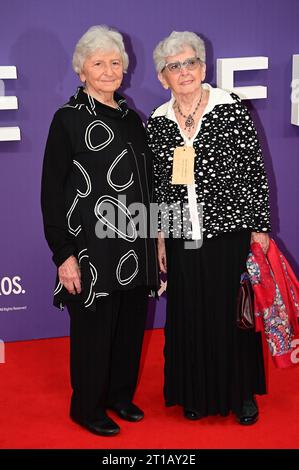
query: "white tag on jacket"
183, 165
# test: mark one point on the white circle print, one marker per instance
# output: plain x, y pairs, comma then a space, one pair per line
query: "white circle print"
123, 259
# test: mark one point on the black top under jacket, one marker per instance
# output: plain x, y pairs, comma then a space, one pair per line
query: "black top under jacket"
96, 165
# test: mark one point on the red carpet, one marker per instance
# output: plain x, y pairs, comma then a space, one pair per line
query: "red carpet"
35, 391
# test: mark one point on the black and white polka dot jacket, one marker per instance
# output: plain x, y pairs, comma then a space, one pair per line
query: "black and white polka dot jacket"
230, 179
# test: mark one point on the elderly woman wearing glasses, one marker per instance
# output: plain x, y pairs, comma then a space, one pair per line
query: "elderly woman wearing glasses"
211, 187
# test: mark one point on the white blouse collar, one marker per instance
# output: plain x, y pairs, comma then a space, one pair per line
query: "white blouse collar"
216, 96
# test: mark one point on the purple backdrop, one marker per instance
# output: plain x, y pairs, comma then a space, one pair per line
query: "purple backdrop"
39, 38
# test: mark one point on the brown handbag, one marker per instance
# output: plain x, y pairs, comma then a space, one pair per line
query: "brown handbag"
245, 303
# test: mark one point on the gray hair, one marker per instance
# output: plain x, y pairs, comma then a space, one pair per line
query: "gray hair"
98, 37
174, 44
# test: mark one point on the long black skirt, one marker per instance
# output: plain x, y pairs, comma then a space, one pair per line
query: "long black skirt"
210, 364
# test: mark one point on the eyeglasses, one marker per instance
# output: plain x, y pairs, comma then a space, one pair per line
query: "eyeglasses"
176, 67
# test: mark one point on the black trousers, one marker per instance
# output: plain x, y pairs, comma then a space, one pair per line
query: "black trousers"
105, 349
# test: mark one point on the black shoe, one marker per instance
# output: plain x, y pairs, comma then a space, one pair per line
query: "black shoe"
128, 411
191, 414
249, 414
103, 427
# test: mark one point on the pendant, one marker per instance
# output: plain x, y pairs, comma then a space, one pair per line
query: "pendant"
189, 121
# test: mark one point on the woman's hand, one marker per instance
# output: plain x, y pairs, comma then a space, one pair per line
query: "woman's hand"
162, 253
70, 276
262, 238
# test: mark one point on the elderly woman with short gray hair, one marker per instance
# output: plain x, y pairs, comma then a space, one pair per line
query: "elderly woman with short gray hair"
212, 190
97, 166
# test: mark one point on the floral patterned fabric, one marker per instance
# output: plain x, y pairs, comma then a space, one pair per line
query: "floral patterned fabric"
276, 302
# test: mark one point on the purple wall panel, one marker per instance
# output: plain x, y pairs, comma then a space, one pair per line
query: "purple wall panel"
39, 37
